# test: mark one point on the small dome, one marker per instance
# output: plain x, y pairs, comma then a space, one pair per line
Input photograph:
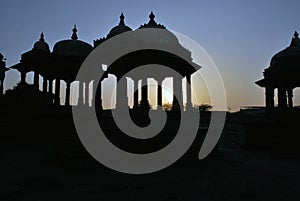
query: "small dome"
41, 45
288, 56
121, 28
72, 47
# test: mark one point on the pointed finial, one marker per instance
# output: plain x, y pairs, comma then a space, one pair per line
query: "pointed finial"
295, 40
152, 21
296, 35
122, 17
74, 35
151, 16
42, 37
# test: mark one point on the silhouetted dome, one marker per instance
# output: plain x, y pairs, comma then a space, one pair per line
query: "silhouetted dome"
289, 57
121, 28
41, 45
152, 23
166, 38
72, 47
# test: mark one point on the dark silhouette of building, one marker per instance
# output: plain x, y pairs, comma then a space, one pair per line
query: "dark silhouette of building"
62, 63
283, 74
67, 56
3, 69
276, 128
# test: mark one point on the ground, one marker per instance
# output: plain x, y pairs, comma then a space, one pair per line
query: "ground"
37, 166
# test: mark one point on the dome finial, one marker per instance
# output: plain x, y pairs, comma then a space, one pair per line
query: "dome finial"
296, 34
122, 17
151, 16
74, 35
295, 40
152, 21
42, 37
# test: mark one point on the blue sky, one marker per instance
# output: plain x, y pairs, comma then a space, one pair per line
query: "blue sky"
240, 36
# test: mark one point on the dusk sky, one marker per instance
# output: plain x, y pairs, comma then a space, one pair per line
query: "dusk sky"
240, 36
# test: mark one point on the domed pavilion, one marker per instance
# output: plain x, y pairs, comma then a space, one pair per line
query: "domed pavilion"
64, 61
283, 74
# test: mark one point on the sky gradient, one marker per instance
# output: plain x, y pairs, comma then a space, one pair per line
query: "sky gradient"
240, 36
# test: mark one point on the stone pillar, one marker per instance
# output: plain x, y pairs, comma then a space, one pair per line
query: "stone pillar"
57, 92
177, 93
2, 74
23, 77
68, 92
136, 94
144, 102
36, 80
269, 98
189, 104
290, 98
50, 86
1, 86
45, 85
86, 95
159, 92
80, 93
122, 99
97, 95
282, 101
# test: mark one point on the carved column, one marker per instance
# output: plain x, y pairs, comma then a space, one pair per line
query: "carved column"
159, 92
57, 92
45, 85
51, 86
80, 93
68, 92
97, 94
144, 102
290, 98
86, 95
23, 77
1, 86
136, 94
122, 99
177, 93
189, 104
269, 98
282, 101
36, 80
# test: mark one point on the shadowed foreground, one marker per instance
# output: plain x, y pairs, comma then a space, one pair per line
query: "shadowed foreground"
43, 159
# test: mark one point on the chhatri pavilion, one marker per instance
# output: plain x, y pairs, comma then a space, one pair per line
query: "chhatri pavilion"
283, 74
64, 61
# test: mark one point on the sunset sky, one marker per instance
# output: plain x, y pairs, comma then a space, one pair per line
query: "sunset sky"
240, 36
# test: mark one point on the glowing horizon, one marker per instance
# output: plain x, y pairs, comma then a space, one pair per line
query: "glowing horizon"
241, 37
